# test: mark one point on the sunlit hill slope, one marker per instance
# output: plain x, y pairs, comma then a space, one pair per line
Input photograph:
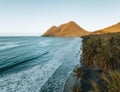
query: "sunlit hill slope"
69, 29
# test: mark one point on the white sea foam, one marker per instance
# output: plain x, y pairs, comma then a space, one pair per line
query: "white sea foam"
33, 79
6, 45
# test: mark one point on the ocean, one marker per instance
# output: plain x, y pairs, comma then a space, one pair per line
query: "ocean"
37, 64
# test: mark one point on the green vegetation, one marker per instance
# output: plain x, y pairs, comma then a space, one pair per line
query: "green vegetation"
102, 51
100, 64
112, 83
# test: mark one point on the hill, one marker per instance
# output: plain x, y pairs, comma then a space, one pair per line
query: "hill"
111, 29
70, 29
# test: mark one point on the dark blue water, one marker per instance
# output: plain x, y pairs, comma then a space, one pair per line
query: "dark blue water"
39, 63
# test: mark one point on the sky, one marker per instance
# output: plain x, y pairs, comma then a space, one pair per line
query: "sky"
34, 17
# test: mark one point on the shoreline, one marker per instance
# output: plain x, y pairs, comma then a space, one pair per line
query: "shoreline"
70, 83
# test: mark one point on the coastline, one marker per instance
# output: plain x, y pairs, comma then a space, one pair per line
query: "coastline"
70, 83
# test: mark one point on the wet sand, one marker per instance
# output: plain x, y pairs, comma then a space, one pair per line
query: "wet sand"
70, 83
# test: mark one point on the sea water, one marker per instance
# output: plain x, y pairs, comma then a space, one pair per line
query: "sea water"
37, 64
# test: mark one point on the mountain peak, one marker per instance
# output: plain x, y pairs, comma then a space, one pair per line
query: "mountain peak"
71, 22
68, 29
50, 30
54, 26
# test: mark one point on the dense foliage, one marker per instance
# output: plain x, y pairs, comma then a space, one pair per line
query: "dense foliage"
102, 51
100, 64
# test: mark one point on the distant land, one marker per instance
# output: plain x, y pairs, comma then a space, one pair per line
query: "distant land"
112, 29
69, 29
72, 29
